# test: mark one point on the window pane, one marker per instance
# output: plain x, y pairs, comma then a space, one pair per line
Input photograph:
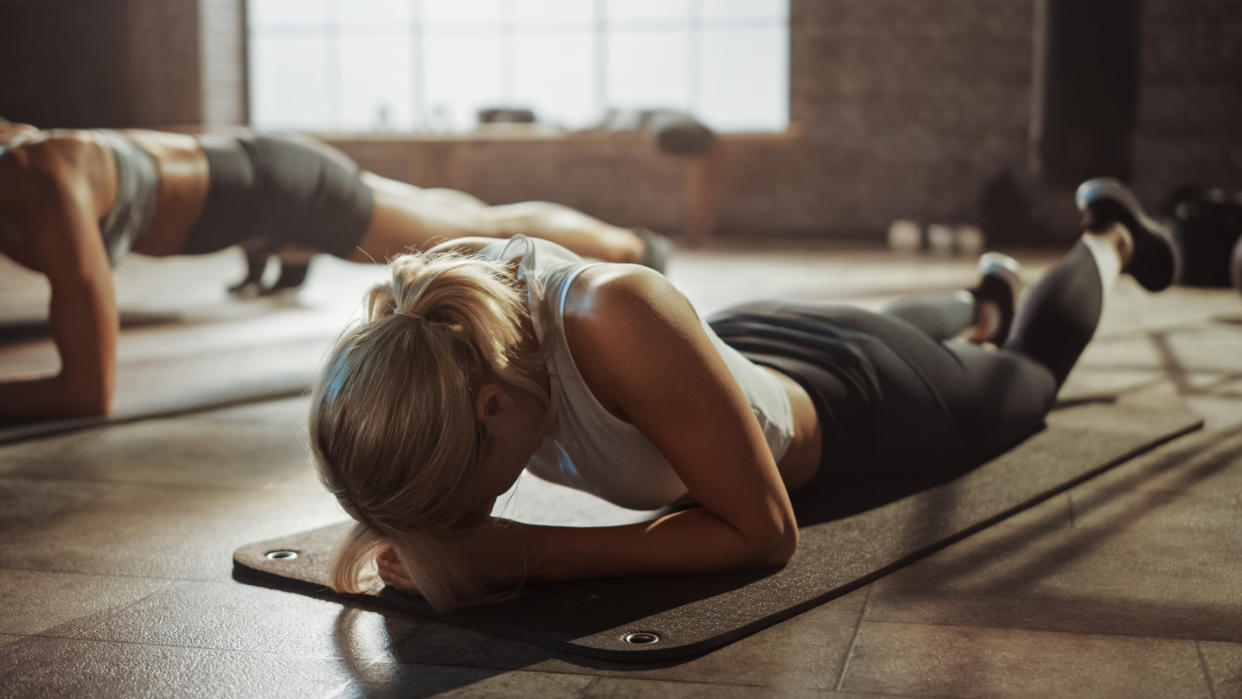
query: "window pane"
553, 72
374, 14
461, 11
555, 13
647, 10
288, 82
649, 69
745, 81
462, 74
376, 82
733, 10
267, 13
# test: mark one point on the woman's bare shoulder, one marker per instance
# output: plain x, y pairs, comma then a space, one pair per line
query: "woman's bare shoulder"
611, 288
623, 324
35, 160
52, 184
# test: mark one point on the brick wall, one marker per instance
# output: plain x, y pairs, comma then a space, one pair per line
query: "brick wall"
121, 63
1190, 106
906, 108
60, 61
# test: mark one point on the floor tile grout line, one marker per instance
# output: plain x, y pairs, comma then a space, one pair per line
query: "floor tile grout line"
862, 612
989, 627
169, 582
216, 649
587, 688
1207, 672
125, 607
638, 666
116, 575
155, 484
382, 659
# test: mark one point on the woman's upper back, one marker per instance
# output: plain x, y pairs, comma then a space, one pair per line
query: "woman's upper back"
588, 444
44, 175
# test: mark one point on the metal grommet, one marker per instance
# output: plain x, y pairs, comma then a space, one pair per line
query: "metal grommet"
641, 637
282, 555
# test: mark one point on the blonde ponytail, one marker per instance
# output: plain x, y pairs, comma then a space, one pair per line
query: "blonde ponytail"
351, 570
392, 421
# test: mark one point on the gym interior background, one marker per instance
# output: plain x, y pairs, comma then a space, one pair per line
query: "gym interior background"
116, 543
896, 108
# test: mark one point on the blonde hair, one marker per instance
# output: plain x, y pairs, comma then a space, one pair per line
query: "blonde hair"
392, 423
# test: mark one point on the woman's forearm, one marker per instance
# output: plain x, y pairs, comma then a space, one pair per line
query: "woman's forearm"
686, 542
46, 397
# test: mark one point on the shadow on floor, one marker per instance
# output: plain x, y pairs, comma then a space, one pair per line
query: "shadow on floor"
1191, 464
27, 329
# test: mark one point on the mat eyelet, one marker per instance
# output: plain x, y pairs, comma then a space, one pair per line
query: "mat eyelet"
641, 637
282, 555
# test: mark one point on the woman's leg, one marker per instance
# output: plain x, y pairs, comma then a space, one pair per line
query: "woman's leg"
986, 309
930, 402
992, 399
937, 402
1062, 311
940, 316
408, 217
1061, 315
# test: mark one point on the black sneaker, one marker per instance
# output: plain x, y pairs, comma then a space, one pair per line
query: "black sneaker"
1155, 262
1000, 281
292, 276
656, 249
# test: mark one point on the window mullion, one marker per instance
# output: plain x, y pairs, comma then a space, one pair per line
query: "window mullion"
332, 31
601, 56
694, 53
418, 78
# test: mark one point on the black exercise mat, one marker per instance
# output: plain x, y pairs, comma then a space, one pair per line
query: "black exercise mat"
184, 383
843, 546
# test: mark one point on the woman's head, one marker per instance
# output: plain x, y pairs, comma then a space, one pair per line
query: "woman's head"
399, 418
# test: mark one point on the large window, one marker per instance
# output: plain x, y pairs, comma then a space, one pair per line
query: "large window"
362, 65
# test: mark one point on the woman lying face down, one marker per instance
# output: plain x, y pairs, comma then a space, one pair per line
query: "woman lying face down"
433, 406
478, 361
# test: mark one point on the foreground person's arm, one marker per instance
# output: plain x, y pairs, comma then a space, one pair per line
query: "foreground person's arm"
62, 238
643, 352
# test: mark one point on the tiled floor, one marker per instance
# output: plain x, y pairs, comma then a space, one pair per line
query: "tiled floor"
115, 544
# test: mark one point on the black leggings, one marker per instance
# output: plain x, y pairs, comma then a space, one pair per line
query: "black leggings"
895, 393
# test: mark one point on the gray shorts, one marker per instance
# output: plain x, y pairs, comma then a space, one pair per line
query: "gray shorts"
271, 191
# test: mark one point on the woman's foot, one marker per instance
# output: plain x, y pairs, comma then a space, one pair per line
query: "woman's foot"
996, 297
1153, 259
656, 249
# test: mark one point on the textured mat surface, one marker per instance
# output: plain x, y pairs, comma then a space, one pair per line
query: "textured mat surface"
191, 381
847, 540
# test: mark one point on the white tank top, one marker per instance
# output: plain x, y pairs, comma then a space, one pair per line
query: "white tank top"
585, 446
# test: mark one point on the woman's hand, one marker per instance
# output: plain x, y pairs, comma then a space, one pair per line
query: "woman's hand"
392, 572
488, 559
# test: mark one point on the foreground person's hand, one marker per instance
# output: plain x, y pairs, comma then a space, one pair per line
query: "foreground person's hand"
392, 572
488, 563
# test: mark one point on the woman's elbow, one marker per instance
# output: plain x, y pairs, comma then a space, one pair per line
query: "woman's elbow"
775, 547
84, 396
88, 405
